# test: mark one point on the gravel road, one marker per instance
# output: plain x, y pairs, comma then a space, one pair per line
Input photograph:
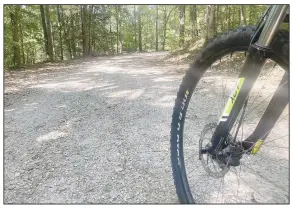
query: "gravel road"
97, 131
93, 131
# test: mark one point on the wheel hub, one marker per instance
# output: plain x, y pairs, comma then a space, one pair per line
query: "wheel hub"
228, 153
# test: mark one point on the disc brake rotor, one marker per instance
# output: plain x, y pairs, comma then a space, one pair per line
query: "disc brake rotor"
213, 167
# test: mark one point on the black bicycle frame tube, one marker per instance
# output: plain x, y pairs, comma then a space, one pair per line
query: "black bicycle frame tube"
250, 72
247, 78
274, 110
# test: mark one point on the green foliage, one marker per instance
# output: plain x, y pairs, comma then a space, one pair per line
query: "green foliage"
109, 25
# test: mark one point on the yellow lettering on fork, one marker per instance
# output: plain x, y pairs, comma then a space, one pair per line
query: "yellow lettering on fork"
231, 100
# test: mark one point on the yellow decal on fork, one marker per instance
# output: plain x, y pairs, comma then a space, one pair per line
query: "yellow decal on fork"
231, 100
256, 147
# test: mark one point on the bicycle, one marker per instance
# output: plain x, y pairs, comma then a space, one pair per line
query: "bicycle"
224, 143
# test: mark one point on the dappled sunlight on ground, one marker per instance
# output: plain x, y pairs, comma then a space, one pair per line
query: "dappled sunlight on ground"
97, 130
51, 135
78, 85
80, 130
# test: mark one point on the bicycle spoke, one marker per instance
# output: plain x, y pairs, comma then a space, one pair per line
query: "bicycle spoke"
213, 181
219, 189
222, 198
238, 175
206, 187
274, 140
268, 180
263, 101
277, 147
264, 141
278, 122
270, 161
249, 112
252, 187
261, 88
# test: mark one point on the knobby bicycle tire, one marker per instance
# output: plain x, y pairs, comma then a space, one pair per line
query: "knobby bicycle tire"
237, 40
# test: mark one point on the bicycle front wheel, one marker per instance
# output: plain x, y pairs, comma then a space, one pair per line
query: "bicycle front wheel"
260, 178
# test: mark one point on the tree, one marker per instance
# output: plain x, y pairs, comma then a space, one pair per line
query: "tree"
49, 32
135, 27
66, 32
156, 29
182, 10
14, 15
22, 38
242, 16
36, 33
85, 30
228, 17
60, 25
73, 34
193, 17
140, 30
210, 11
165, 20
120, 26
90, 28
215, 20
117, 24
44, 24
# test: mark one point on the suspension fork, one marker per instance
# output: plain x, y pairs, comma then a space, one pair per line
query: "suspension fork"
255, 60
272, 113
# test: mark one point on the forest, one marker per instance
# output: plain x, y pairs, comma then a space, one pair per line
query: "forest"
47, 33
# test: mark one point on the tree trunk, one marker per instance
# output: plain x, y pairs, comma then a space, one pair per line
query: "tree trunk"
49, 31
135, 27
193, 15
53, 41
165, 18
60, 31
250, 15
146, 36
191, 10
27, 56
156, 29
182, 10
140, 31
66, 34
210, 10
22, 45
34, 53
111, 37
117, 22
242, 16
85, 30
228, 18
14, 16
164, 28
215, 20
121, 37
44, 24
233, 16
90, 28
72, 32
196, 21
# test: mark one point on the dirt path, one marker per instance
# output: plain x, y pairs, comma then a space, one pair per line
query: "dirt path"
97, 131
93, 132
